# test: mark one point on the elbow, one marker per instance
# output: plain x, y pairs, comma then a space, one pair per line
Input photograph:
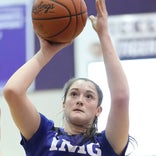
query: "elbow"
10, 93
122, 98
124, 95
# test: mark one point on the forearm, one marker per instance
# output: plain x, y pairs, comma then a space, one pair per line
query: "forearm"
118, 119
117, 80
25, 75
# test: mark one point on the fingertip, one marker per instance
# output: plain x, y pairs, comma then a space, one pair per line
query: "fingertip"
91, 17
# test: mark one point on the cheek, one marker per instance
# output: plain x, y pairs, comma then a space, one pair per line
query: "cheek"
69, 101
65, 108
67, 105
92, 109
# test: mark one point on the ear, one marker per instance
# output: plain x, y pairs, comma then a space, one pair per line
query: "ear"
99, 110
63, 105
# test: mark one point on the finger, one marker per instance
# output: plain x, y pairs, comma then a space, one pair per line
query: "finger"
102, 4
98, 8
93, 20
91, 17
101, 7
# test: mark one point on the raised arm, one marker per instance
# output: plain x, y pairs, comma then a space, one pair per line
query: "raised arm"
25, 115
118, 120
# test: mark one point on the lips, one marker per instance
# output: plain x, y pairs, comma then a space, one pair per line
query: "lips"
78, 110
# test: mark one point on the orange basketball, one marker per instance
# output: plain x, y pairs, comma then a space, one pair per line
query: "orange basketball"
59, 21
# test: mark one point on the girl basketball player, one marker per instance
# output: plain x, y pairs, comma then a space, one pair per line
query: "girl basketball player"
81, 105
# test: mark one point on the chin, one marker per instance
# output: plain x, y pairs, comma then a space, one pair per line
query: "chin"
78, 120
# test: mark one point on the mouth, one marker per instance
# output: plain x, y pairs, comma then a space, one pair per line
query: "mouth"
77, 110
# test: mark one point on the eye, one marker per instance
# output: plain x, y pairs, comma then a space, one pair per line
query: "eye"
90, 96
73, 93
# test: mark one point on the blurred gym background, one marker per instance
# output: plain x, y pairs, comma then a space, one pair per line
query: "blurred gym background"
132, 26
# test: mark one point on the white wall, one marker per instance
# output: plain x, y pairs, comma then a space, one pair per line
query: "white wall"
141, 78
47, 102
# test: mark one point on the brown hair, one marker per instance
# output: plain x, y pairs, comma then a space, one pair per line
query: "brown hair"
71, 81
93, 129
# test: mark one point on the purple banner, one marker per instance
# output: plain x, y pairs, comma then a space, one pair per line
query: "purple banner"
12, 40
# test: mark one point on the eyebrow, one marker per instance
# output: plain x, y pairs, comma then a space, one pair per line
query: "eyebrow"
88, 91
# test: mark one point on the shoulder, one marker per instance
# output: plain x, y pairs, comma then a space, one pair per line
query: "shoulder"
106, 146
45, 126
45, 122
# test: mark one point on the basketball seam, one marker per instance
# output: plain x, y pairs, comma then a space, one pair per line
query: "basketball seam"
70, 16
81, 13
58, 18
76, 19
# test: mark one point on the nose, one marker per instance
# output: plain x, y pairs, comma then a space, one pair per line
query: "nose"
80, 101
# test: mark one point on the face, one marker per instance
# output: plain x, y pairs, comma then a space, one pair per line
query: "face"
81, 104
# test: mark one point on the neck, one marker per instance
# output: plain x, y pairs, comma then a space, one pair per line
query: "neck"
72, 129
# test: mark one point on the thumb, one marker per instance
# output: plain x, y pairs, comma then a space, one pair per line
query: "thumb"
93, 21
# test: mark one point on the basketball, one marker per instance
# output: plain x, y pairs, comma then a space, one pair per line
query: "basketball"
59, 21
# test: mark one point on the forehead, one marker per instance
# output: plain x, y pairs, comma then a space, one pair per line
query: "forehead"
83, 85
